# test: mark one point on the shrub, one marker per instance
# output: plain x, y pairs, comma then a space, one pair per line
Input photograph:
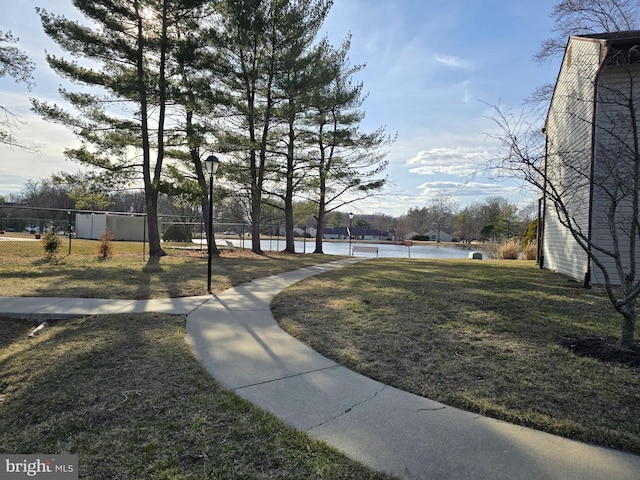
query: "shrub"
509, 250
177, 233
530, 250
490, 250
530, 234
105, 245
50, 242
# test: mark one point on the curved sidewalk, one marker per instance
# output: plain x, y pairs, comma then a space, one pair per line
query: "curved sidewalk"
235, 337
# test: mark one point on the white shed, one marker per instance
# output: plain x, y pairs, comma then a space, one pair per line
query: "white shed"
122, 227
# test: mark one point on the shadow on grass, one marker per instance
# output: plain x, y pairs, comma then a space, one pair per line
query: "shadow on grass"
132, 278
126, 395
153, 265
12, 330
481, 336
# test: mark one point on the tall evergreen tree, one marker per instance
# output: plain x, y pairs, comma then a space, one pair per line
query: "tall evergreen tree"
266, 44
128, 47
248, 55
296, 77
348, 162
196, 95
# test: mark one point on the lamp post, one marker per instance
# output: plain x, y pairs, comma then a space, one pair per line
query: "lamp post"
212, 163
69, 229
350, 224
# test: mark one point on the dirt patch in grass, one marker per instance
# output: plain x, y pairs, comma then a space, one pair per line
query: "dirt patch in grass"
603, 349
125, 393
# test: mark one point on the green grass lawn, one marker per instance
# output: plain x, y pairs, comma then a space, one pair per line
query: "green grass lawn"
25, 272
482, 336
125, 393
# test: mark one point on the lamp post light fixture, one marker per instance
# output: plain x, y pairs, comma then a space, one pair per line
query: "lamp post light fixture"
212, 163
350, 224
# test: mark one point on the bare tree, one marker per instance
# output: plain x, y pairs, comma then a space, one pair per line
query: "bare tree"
443, 210
588, 167
581, 17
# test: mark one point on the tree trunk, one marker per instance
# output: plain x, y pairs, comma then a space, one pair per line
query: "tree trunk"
150, 189
322, 213
289, 224
151, 199
628, 330
255, 222
628, 324
320, 228
202, 181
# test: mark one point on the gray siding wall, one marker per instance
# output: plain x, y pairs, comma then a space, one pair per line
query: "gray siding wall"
561, 252
618, 87
569, 131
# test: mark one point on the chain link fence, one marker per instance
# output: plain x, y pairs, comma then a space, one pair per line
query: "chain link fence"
19, 224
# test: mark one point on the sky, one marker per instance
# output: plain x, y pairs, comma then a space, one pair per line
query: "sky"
434, 70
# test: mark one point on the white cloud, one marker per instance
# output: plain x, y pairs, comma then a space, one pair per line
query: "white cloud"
449, 161
452, 61
473, 192
10, 184
17, 166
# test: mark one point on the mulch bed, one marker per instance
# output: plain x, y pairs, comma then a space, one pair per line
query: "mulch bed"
605, 349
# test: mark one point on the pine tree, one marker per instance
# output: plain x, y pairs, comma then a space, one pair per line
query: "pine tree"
128, 51
348, 161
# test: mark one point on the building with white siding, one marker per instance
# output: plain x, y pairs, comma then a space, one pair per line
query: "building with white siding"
122, 227
589, 203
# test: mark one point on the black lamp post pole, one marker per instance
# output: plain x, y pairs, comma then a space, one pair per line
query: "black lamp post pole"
210, 233
350, 234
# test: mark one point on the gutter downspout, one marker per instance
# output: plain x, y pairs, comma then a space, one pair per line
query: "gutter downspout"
587, 275
542, 206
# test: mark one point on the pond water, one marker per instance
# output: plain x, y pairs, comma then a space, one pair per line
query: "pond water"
384, 249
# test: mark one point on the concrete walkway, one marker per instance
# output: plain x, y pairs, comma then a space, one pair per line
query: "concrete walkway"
236, 338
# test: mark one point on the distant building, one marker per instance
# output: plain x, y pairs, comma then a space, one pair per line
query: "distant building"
122, 227
357, 233
439, 236
301, 232
432, 236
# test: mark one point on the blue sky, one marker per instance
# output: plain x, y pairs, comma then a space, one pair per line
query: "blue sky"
433, 69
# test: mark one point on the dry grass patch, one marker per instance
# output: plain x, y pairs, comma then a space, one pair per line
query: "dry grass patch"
126, 274
125, 393
483, 336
